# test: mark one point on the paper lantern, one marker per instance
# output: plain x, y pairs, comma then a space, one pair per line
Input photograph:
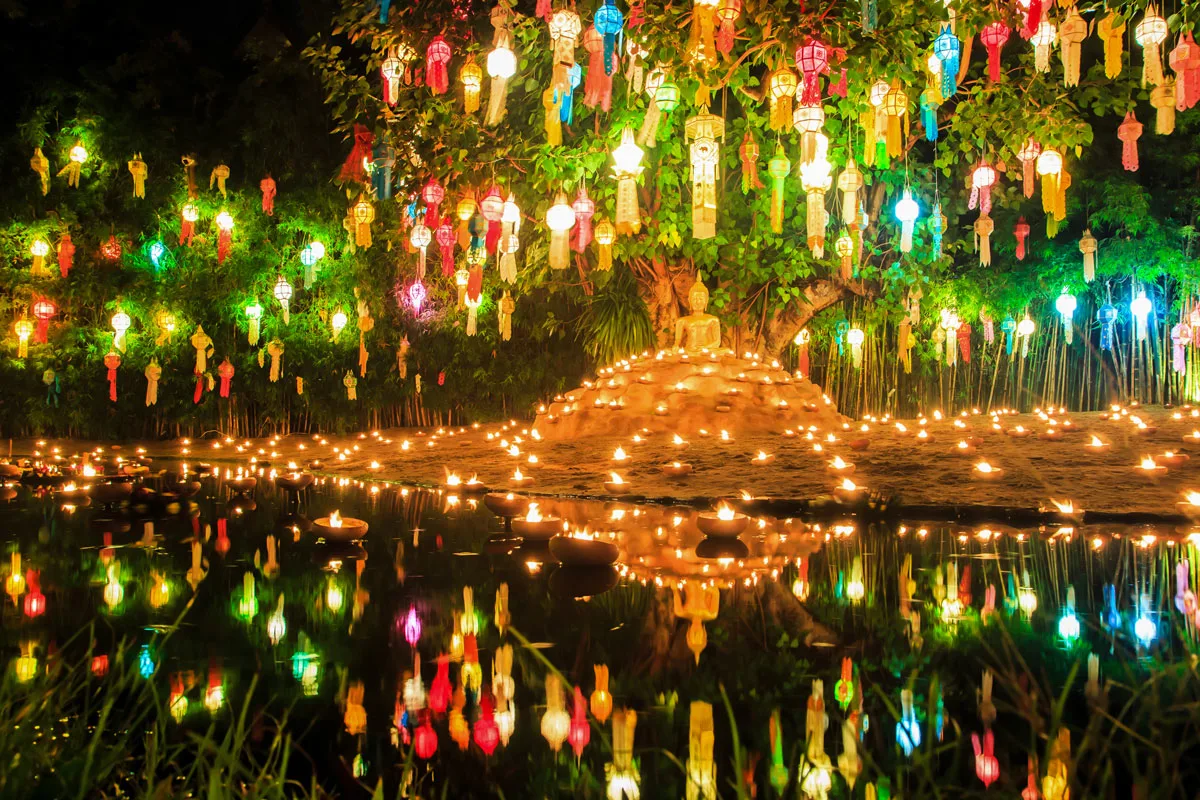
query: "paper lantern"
111, 249
416, 296
1144, 628
627, 166
948, 50
816, 178
187, 227
647, 135
749, 152
363, 214
1087, 246
705, 131
501, 65
850, 181
76, 157
1163, 98
445, 238
41, 165
1068, 623
930, 102
491, 208
269, 189
908, 729
728, 12
420, 237
1008, 326
24, 329
598, 89
437, 56
906, 212
1111, 30
1129, 131
1071, 34
812, 59
425, 740
111, 361
993, 36
1141, 307
1050, 167
153, 373
1181, 337
1106, 315
1025, 329
253, 312
781, 88
1043, 39
987, 766
701, 43
984, 226
39, 249
556, 722
219, 175
43, 311
606, 234
585, 209
560, 218
1185, 60
622, 774
487, 733
580, 732
609, 22
983, 178
337, 324
120, 324
283, 293
66, 254
778, 168
601, 700
394, 69
1028, 156
808, 120
895, 114
1065, 305
1021, 232
471, 76
224, 235
1150, 33
844, 247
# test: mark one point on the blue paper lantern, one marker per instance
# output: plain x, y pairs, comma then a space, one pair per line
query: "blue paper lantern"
609, 23
1107, 317
948, 49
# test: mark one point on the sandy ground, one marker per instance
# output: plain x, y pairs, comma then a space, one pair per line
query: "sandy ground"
1035, 471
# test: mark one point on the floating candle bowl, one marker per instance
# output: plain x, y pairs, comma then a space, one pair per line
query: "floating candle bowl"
984, 471
676, 469
1172, 459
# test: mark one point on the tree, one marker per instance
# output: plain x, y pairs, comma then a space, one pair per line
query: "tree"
770, 284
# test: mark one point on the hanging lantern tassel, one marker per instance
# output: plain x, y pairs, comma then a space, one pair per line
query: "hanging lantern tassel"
849, 183
781, 89
1185, 60
778, 168
584, 209
1065, 305
225, 371
198, 395
1071, 34
1129, 131
989, 326
1087, 246
275, 351
855, 337
1150, 33
1164, 99
505, 314
606, 234
1111, 30
153, 374
929, 107
844, 247
983, 242
269, 190
508, 257
552, 123
351, 384
1021, 232
501, 65
964, 342
816, 216
366, 324
994, 37
419, 238
1008, 326
907, 212
472, 316
1106, 315
111, 362
1181, 337
560, 218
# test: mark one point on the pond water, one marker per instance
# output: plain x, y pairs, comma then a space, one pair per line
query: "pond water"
234, 601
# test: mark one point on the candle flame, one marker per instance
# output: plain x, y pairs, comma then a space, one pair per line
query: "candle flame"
676, 464
837, 463
761, 456
724, 435
453, 480
335, 520
533, 515
984, 467
616, 478
678, 439
849, 485
1148, 463
746, 495
900, 427
1193, 497
619, 454
962, 445
1066, 507
1096, 441
724, 512
517, 476
924, 434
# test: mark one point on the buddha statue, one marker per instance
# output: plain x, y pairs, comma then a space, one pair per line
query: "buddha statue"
698, 330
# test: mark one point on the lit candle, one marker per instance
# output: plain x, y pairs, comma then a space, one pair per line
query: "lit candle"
1190, 506
986, 472
1173, 459
847, 490
964, 448
1193, 437
679, 442
1017, 432
839, 466
1150, 468
1050, 434
764, 458
676, 469
923, 437
619, 454
616, 484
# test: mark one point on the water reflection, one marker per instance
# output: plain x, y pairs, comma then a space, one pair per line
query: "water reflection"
467, 629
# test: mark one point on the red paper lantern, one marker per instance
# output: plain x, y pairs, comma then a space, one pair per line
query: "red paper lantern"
425, 741
993, 37
1021, 231
433, 194
111, 250
487, 732
437, 56
580, 732
987, 766
813, 60
439, 690
43, 310
35, 601
100, 665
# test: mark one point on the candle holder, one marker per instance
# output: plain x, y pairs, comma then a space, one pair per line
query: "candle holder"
1050, 435
859, 445
677, 470
242, 485
848, 492
506, 505
1151, 470
964, 448
1172, 459
762, 459
574, 551
1097, 446
986, 472
295, 481
712, 523
349, 529
1017, 432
